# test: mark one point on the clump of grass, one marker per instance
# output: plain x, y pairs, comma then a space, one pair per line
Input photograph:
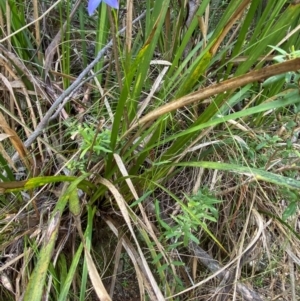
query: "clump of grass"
178, 138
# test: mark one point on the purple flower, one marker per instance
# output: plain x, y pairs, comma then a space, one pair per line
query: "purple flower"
93, 4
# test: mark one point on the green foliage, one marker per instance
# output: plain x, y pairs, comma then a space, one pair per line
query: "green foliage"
292, 198
291, 78
198, 210
266, 141
35, 286
95, 145
149, 70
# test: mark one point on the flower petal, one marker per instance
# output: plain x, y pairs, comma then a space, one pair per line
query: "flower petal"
112, 3
92, 5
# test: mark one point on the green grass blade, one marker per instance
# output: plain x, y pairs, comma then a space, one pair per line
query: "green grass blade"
88, 244
34, 290
32, 183
257, 174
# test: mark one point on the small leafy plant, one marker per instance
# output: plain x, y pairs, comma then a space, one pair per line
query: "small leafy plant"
94, 142
199, 209
292, 197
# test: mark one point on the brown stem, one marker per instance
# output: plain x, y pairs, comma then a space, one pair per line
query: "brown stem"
227, 85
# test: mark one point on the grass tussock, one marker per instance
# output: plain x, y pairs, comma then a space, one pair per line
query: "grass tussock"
149, 152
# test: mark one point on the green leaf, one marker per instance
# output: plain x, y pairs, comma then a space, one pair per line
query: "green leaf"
178, 263
141, 199
290, 210
258, 174
35, 287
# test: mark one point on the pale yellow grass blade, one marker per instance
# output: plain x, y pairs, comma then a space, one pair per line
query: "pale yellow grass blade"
95, 278
123, 207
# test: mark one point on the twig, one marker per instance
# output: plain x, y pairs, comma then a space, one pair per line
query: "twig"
67, 94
